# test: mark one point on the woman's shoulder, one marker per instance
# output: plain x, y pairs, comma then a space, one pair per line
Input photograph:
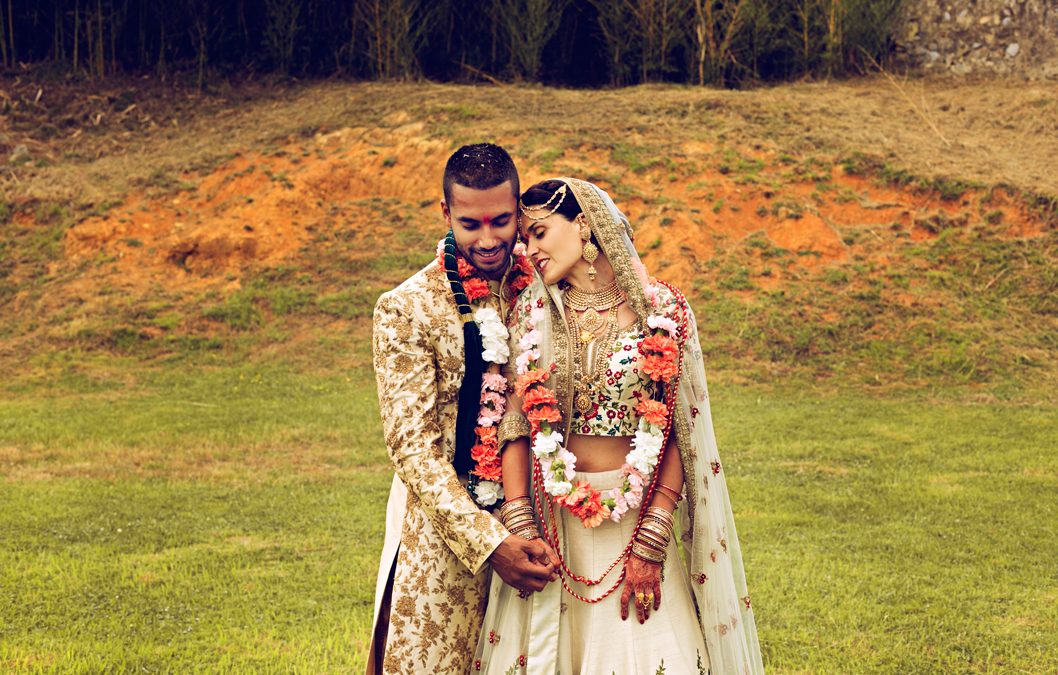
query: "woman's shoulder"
530, 297
665, 297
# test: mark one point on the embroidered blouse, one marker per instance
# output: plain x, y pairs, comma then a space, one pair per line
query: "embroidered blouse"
619, 389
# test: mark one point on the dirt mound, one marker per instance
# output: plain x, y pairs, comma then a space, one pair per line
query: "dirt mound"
260, 209
271, 228
263, 209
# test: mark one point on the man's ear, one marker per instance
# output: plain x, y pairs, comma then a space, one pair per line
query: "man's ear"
447, 213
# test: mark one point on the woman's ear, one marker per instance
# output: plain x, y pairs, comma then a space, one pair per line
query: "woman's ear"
583, 228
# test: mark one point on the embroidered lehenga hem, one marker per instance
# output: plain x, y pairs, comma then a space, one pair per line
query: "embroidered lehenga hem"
584, 638
535, 635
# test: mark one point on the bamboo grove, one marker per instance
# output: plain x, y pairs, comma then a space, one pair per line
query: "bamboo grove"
561, 42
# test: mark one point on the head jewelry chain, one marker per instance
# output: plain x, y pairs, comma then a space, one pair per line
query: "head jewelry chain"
560, 193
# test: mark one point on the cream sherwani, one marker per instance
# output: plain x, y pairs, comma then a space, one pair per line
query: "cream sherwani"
436, 536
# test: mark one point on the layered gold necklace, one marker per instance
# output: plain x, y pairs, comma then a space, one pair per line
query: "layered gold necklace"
586, 329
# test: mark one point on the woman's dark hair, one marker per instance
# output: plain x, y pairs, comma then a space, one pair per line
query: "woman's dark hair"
540, 193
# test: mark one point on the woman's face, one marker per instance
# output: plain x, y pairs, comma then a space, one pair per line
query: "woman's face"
553, 244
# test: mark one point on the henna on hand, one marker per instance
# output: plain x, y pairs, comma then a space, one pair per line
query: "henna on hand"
642, 580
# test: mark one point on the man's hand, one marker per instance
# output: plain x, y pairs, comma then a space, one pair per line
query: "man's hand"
525, 564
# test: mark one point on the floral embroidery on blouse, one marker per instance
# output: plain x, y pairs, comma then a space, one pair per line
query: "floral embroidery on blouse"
622, 388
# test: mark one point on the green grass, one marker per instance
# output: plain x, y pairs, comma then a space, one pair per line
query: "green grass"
188, 576
221, 520
905, 535
229, 519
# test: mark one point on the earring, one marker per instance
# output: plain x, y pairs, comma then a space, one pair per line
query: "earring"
590, 251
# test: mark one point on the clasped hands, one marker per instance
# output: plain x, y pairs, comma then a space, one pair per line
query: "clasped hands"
530, 564
526, 564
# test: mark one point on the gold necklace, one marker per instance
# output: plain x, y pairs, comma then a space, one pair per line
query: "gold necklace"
591, 303
584, 384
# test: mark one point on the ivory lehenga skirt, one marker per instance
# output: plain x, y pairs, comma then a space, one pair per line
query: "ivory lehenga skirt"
552, 632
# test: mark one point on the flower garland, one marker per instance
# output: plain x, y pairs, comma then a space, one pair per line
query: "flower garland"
485, 480
486, 476
659, 354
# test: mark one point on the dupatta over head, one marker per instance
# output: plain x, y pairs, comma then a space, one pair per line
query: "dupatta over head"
710, 543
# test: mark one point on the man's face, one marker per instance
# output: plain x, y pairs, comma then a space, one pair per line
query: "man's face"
484, 224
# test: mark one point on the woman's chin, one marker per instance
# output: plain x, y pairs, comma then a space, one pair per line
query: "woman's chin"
549, 277
552, 273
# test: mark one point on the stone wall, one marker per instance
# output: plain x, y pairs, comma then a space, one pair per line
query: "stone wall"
981, 36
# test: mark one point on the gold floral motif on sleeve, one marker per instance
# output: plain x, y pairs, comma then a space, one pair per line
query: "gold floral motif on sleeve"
406, 373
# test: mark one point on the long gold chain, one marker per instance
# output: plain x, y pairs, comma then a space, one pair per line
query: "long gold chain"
585, 383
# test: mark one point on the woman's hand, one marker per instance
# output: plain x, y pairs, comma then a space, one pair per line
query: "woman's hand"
642, 586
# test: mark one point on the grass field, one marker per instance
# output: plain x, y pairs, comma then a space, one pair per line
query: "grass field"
231, 520
192, 476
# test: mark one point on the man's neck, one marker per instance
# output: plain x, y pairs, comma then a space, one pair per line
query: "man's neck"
496, 276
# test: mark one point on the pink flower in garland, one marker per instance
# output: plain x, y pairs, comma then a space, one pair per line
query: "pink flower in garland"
636, 482
492, 407
494, 382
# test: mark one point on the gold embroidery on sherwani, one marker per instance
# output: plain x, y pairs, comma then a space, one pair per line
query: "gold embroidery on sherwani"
446, 539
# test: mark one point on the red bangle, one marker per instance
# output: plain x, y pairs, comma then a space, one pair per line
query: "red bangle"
679, 497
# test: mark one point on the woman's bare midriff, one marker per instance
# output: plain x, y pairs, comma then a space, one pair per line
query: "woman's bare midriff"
599, 453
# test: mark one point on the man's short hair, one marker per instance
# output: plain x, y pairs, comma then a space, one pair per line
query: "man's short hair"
480, 167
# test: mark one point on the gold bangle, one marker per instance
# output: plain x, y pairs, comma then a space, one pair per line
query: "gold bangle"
651, 545
654, 526
646, 554
653, 529
507, 513
514, 505
659, 512
675, 502
663, 536
516, 501
660, 520
515, 523
513, 426
653, 542
526, 533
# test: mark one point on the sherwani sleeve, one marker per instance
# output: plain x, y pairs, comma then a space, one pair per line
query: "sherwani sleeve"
406, 374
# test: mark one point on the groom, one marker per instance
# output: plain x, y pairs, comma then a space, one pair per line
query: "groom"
433, 575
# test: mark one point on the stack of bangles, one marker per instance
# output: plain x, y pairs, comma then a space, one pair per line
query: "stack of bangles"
654, 536
517, 516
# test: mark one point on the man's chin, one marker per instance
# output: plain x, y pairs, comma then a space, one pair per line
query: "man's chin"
492, 269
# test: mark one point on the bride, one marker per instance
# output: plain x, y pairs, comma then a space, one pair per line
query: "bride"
610, 457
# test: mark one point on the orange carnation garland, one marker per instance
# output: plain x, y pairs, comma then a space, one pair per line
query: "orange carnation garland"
485, 480
659, 356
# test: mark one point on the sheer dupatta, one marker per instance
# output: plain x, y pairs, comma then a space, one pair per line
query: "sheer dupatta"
712, 554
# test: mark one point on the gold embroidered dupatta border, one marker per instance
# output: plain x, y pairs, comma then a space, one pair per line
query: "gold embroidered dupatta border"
614, 234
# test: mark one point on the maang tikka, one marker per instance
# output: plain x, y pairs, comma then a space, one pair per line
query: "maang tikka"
590, 251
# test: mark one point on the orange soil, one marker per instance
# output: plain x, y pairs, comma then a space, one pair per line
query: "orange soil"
259, 210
